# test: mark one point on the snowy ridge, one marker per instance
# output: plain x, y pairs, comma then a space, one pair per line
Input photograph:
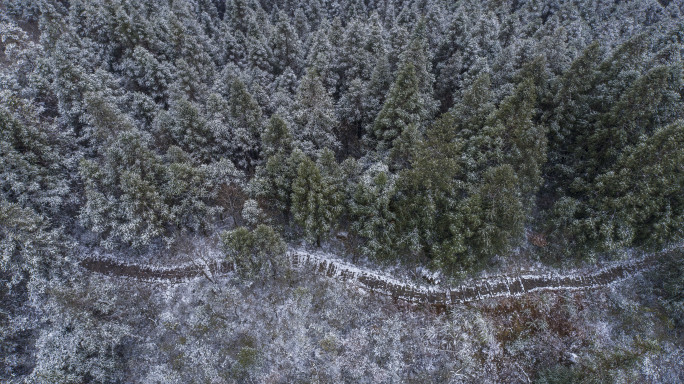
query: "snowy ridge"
375, 281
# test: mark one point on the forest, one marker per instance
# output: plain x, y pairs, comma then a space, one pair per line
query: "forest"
253, 191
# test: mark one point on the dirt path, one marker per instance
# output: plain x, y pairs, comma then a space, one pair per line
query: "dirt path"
328, 265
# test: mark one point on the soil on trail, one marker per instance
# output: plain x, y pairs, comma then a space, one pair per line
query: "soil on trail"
494, 286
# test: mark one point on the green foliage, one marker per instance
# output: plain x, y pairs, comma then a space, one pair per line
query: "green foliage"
196, 81
185, 126
472, 179
643, 191
31, 168
29, 247
402, 108
502, 210
254, 252
134, 197
123, 200
276, 138
274, 179
525, 142
286, 46
372, 214
315, 115
669, 281
560, 374
317, 197
246, 121
190, 191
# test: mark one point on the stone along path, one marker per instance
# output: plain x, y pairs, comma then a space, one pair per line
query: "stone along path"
374, 281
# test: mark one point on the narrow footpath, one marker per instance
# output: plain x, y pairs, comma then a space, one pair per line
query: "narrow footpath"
374, 281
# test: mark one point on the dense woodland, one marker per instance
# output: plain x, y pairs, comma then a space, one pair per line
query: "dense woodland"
444, 134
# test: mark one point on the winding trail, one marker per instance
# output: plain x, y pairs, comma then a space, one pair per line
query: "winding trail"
370, 280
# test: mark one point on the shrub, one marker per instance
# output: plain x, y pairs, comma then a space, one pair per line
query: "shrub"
252, 252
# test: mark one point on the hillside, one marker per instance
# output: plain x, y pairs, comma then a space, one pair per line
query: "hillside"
252, 191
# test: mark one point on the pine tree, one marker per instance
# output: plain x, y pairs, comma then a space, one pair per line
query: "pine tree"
283, 91
649, 100
316, 204
301, 24
276, 138
247, 126
598, 117
124, 204
286, 46
190, 52
640, 198
189, 191
417, 54
259, 53
502, 211
372, 214
147, 74
355, 111
314, 116
322, 57
571, 117
186, 127
69, 81
274, 180
525, 143
254, 251
354, 60
431, 190
378, 86
29, 245
31, 172
403, 107
450, 59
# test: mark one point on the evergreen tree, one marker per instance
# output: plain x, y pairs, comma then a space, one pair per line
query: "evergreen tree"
286, 46
123, 203
314, 116
247, 126
595, 122
31, 172
403, 107
417, 54
274, 180
372, 214
191, 55
147, 74
30, 248
158, 100
259, 53
316, 203
276, 138
354, 60
322, 57
502, 211
525, 143
378, 86
355, 111
253, 251
639, 199
571, 116
189, 191
185, 126
430, 190
283, 91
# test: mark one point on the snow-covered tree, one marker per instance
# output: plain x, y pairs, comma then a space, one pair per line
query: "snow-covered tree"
371, 210
314, 116
316, 199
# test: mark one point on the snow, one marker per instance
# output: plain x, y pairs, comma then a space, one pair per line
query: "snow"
374, 280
